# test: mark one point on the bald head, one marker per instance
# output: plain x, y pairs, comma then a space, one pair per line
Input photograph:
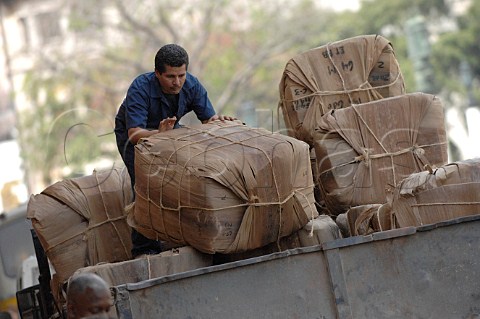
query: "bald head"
88, 295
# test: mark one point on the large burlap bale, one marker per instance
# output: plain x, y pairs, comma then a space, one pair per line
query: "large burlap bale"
337, 75
221, 187
364, 149
81, 221
447, 192
150, 266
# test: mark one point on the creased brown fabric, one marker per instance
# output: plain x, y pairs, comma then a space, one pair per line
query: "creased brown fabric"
336, 75
364, 149
221, 187
150, 266
447, 192
81, 221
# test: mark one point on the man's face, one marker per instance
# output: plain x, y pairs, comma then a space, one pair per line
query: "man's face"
172, 79
91, 305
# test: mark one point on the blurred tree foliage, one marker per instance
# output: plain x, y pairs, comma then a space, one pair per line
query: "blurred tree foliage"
48, 129
457, 49
238, 49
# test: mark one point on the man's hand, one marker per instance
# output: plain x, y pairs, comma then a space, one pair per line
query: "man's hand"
221, 118
167, 124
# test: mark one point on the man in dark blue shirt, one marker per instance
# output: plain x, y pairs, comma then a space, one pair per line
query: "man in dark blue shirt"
155, 102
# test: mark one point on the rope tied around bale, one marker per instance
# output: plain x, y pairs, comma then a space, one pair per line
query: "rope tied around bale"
109, 219
212, 135
362, 87
83, 232
446, 204
91, 226
366, 157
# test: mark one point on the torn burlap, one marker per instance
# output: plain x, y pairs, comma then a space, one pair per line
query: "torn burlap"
447, 192
81, 221
360, 220
364, 149
221, 187
334, 76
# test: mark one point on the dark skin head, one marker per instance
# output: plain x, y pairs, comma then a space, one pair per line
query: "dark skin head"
88, 296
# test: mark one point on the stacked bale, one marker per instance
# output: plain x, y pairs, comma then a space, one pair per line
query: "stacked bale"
436, 195
222, 187
364, 149
150, 266
347, 100
82, 222
336, 75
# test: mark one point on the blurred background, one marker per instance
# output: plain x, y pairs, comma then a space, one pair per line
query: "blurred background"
66, 65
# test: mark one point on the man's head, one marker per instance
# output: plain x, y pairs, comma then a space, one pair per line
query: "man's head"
88, 295
171, 55
171, 63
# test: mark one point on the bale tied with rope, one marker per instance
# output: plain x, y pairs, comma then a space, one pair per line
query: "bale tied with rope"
81, 221
365, 149
337, 75
437, 195
221, 187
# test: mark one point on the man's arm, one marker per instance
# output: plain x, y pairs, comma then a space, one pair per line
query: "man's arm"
136, 133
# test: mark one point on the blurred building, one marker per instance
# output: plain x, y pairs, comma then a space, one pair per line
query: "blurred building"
30, 29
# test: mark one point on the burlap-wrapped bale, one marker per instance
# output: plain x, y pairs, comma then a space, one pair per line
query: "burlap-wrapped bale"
81, 221
428, 197
337, 75
221, 187
364, 149
150, 266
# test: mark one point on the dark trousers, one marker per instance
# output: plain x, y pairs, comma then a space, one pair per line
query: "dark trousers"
143, 245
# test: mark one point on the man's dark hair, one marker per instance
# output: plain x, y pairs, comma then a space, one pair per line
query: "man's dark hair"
172, 55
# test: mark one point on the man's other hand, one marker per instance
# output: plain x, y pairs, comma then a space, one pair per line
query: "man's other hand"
221, 118
167, 124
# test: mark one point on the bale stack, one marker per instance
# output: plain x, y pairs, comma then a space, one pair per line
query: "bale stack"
347, 100
222, 187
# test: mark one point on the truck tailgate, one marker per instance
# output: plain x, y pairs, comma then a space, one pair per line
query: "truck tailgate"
431, 271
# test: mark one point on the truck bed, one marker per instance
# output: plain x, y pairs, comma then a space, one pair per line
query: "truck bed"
431, 271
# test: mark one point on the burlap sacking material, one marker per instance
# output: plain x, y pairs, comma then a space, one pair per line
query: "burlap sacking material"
320, 230
150, 266
366, 149
360, 220
334, 76
82, 221
221, 187
437, 195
